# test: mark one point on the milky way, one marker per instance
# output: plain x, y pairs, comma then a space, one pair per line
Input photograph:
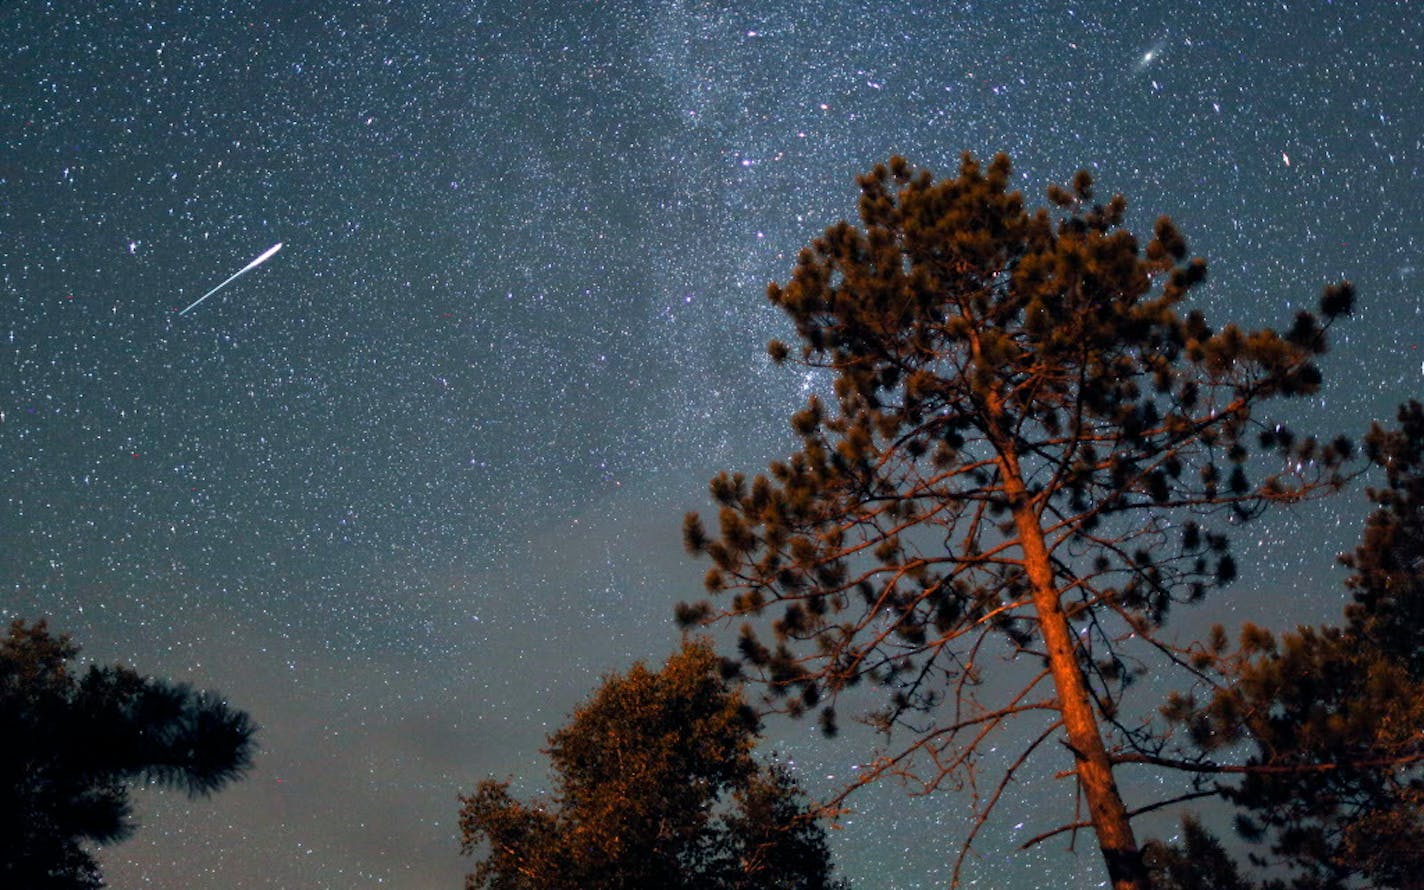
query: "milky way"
411, 494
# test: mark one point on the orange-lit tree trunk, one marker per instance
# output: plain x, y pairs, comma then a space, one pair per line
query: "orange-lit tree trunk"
1092, 766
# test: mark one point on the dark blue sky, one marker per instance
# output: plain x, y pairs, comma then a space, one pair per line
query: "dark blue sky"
408, 488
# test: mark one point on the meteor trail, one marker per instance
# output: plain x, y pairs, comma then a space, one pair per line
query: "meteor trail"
266, 255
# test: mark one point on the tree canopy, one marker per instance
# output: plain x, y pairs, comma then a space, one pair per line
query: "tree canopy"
654, 786
1332, 716
73, 745
1034, 451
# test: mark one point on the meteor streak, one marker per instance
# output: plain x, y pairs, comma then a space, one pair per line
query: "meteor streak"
266, 255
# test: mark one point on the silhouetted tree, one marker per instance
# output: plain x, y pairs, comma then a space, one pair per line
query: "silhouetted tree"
655, 786
1032, 453
1333, 717
70, 747
1198, 862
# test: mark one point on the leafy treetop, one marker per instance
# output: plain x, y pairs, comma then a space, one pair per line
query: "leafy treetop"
655, 786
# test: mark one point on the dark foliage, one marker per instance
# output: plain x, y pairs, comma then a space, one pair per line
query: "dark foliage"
72, 747
1334, 716
1198, 862
655, 786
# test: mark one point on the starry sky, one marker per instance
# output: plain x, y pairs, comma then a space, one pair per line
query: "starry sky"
408, 488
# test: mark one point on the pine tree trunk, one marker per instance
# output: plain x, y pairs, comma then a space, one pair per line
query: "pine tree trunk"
1094, 770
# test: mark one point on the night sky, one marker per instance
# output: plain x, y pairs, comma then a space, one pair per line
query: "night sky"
405, 490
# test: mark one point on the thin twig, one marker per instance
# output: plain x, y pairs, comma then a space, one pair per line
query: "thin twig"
1074, 826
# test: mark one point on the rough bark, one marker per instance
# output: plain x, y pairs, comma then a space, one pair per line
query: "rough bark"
1109, 815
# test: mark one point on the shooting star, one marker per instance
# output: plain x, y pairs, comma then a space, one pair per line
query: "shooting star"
266, 255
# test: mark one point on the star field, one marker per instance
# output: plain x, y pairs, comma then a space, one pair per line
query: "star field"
406, 490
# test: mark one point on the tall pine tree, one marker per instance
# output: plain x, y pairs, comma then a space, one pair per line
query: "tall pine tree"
1034, 451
